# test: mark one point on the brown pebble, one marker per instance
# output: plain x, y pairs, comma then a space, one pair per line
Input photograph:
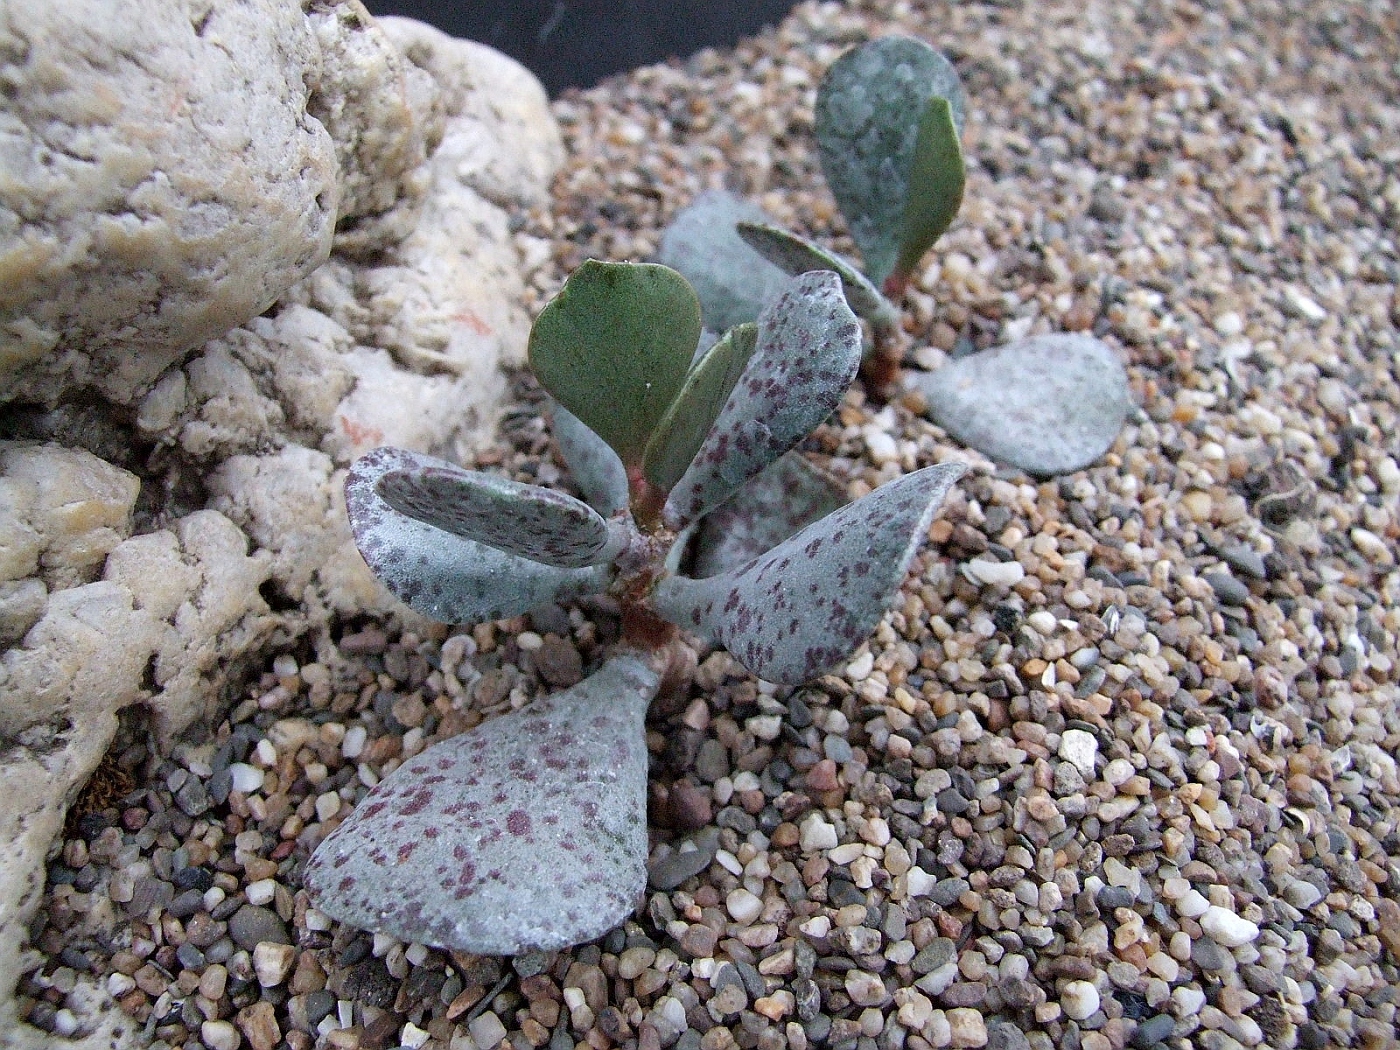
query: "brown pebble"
822, 776
558, 661
690, 806
699, 941
258, 1023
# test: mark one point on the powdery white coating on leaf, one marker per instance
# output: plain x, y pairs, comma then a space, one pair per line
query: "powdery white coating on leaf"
867, 126
526, 833
796, 255
441, 575
526, 520
731, 279
1050, 404
782, 500
807, 604
600, 475
809, 346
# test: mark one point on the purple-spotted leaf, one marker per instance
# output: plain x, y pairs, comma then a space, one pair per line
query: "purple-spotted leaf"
796, 255
796, 611
614, 347
526, 520
1050, 404
867, 121
778, 503
441, 575
732, 281
600, 475
526, 833
679, 435
809, 345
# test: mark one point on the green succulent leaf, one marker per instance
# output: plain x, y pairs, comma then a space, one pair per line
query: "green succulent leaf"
795, 255
936, 181
600, 475
869, 113
533, 522
809, 345
614, 347
776, 504
679, 435
443, 575
731, 280
798, 610
526, 833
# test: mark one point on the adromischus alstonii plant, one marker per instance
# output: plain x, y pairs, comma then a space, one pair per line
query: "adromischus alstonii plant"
529, 832
888, 120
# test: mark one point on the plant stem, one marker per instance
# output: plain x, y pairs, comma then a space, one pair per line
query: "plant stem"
646, 501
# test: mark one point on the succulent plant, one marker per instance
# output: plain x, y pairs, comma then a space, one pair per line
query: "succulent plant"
529, 832
888, 122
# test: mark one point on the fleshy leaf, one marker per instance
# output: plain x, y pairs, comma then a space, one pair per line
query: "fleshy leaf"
796, 255
441, 575
679, 436
868, 112
600, 475
809, 345
732, 281
614, 346
528, 832
779, 502
808, 603
1050, 404
936, 181
526, 520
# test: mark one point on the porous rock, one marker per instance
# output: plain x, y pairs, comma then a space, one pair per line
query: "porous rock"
183, 445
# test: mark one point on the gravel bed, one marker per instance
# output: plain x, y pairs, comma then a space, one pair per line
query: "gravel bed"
1117, 770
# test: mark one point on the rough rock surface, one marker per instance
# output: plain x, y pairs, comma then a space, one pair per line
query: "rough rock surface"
239, 244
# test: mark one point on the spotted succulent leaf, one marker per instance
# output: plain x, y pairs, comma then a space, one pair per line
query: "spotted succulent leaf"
867, 120
776, 504
614, 347
809, 346
526, 520
444, 576
708, 386
732, 281
796, 255
526, 833
796, 611
600, 475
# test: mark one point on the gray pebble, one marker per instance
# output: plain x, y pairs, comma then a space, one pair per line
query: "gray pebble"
1228, 589
193, 799
1115, 897
712, 762
191, 958
251, 925
670, 872
951, 801
186, 904
808, 998
1003, 1035
837, 748
1154, 1030
1246, 561
1208, 955
318, 1006
938, 952
947, 891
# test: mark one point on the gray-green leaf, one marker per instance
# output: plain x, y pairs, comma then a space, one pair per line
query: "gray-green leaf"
732, 281
527, 520
597, 471
614, 346
1050, 404
708, 386
526, 833
444, 576
796, 255
809, 345
936, 181
809, 602
868, 113
779, 502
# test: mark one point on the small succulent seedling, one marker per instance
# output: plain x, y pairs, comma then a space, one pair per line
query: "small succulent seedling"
529, 832
888, 119
888, 123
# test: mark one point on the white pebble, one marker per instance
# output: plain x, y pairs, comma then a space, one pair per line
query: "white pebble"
327, 805
487, 1030
412, 1036
1192, 904
990, 573
882, 448
272, 962
1079, 1000
743, 906
245, 778
817, 834
919, 883
1228, 929
1079, 748
260, 892
219, 1035
354, 742
1188, 1000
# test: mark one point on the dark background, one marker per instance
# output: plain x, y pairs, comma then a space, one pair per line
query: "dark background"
578, 43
